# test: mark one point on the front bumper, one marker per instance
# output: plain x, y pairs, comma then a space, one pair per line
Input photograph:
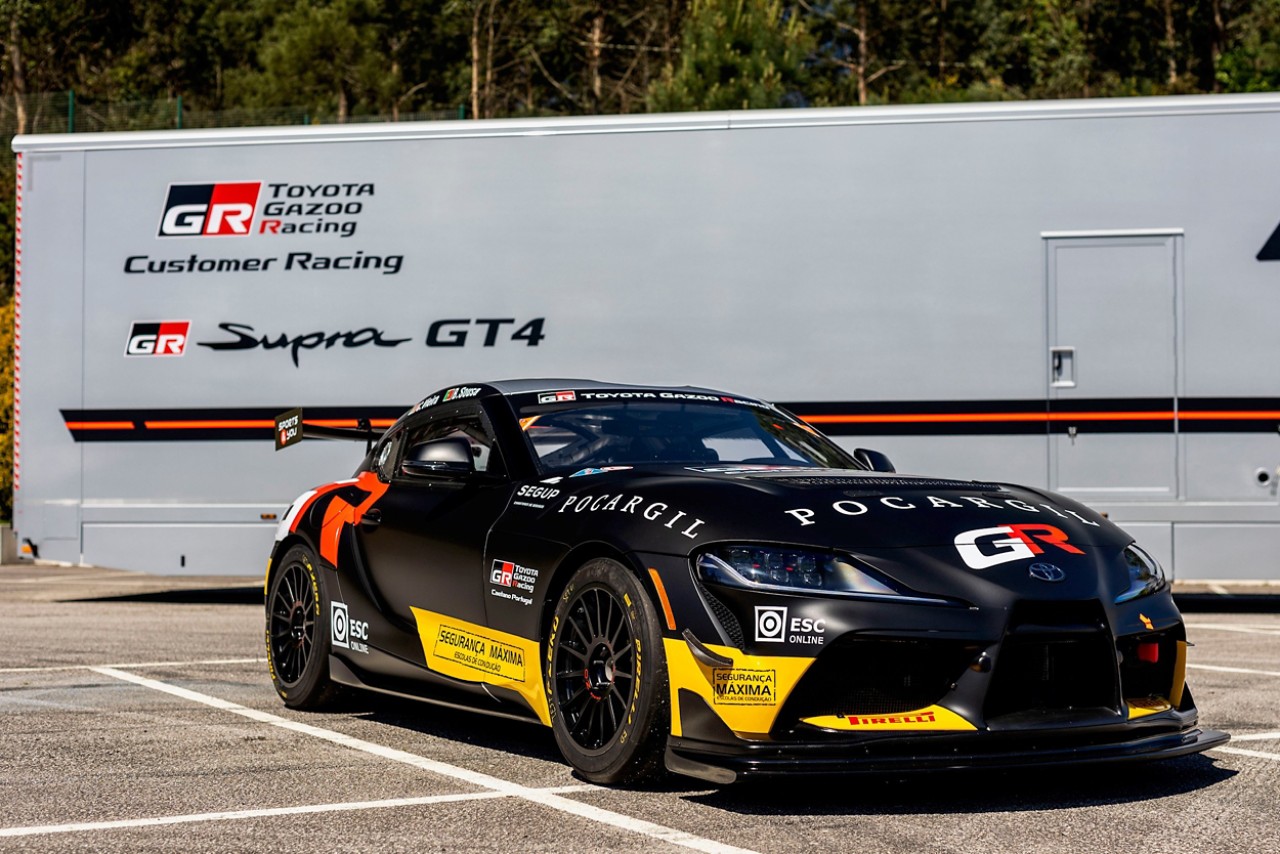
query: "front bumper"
1175, 734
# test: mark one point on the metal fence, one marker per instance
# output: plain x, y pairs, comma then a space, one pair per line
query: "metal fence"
67, 112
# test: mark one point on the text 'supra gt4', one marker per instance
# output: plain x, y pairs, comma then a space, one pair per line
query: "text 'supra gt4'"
685, 578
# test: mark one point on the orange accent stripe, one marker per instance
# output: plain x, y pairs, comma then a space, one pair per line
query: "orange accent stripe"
971, 417
662, 596
1032, 417
1210, 415
208, 425
99, 425
346, 422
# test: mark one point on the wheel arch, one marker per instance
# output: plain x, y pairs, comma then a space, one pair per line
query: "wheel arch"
570, 563
278, 551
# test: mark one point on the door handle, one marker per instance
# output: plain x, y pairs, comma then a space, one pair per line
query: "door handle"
1062, 367
372, 518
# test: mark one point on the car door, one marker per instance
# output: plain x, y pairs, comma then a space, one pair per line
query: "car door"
424, 539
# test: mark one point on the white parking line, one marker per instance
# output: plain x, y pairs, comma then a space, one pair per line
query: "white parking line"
475, 778
1228, 627
1219, 669
65, 667
1256, 754
237, 815
1257, 736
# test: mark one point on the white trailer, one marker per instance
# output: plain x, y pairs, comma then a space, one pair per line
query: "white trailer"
1081, 295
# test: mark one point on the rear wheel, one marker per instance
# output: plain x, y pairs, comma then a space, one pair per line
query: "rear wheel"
606, 677
298, 632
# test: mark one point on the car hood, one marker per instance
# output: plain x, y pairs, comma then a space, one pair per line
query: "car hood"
831, 508
975, 537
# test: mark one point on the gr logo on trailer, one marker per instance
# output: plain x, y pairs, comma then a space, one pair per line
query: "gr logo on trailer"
162, 338
209, 210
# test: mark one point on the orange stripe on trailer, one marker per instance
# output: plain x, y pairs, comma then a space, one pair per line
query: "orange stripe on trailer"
662, 597
1212, 415
346, 422
209, 425
1032, 417
99, 425
987, 417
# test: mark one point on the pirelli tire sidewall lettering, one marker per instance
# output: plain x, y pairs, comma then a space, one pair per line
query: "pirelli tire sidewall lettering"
313, 688
636, 751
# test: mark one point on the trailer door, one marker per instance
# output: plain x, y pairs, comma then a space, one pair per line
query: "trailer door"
1113, 344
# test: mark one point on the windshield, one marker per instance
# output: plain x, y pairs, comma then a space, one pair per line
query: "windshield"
634, 433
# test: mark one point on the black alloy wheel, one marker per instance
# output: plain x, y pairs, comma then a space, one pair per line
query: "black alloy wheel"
294, 609
595, 668
607, 677
298, 632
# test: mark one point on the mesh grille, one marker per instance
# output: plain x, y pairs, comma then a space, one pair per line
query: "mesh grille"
1056, 657
873, 677
727, 620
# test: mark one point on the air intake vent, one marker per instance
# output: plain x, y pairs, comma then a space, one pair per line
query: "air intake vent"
879, 483
1057, 657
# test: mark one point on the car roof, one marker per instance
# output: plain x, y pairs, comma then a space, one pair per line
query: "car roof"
523, 386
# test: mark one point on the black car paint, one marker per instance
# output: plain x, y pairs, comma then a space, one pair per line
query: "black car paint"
432, 542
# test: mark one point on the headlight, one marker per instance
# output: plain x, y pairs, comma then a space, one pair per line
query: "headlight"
1145, 574
796, 570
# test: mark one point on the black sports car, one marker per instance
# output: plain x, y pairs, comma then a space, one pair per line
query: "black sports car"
686, 578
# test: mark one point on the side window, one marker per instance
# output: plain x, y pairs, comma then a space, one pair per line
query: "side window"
386, 454
469, 424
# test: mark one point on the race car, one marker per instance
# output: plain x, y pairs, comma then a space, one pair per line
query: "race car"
687, 580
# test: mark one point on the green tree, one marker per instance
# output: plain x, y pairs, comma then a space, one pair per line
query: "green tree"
323, 55
1250, 61
735, 54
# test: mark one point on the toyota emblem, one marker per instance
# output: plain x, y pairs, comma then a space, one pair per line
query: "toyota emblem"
1046, 572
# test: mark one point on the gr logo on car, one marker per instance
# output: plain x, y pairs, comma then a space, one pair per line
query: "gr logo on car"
983, 548
209, 210
158, 338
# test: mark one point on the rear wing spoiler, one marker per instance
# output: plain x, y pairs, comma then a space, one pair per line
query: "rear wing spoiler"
291, 428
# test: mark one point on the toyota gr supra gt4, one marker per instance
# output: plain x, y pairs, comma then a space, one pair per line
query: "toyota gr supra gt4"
689, 580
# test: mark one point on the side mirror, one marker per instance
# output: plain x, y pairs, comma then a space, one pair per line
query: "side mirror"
439, 456
874, 460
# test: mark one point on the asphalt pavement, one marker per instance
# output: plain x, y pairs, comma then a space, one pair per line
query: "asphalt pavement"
136, 714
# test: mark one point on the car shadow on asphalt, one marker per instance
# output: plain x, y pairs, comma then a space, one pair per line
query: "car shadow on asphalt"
968, 792
246, 595
521, 738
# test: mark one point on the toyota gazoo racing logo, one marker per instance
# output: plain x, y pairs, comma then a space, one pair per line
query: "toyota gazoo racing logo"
158, 338
987, 547
209, 210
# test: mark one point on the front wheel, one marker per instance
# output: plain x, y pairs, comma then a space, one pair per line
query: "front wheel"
606, 676
298, 632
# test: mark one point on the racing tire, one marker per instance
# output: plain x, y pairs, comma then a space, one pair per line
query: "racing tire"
606, 677
297, 633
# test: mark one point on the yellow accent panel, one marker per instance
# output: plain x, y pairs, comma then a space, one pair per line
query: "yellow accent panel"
1142, 708
478, 654
1179, 675
932, 718
746, 696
